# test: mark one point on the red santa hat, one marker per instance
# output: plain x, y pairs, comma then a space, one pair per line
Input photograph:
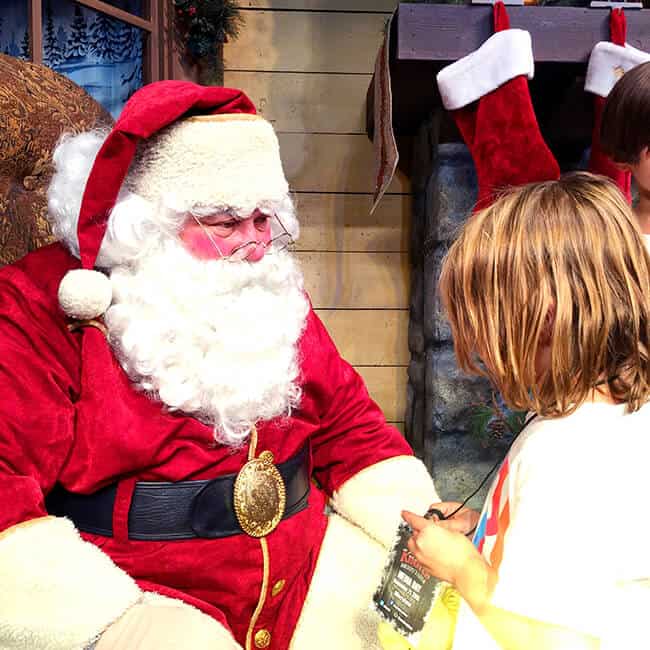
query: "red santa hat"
195, 146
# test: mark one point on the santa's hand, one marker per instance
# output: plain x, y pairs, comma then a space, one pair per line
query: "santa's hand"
445, 553
164, 624
464, 521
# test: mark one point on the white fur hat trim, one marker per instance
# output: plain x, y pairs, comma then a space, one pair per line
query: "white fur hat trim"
504, 56
85, 294
608, 63
230, 160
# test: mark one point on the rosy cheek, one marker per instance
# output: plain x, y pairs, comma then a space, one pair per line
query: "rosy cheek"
197, 242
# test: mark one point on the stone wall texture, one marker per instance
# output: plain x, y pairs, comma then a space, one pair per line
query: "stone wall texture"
442, 400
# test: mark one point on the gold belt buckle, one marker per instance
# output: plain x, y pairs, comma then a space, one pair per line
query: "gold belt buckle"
260, 496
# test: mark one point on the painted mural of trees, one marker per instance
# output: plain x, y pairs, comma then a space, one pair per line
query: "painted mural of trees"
101, 39
25, 52
53, 55
135, 36
12, 48
77, 45
61, 39
122, 41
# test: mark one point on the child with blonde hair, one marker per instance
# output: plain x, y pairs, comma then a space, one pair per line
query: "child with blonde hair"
548, 294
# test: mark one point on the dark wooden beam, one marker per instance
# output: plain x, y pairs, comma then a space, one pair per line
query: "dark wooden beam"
436, 32
120, 14
36, 30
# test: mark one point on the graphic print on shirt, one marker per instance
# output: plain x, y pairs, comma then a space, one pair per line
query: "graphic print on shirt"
495, 519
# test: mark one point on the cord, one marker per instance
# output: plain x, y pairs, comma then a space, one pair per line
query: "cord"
440, 515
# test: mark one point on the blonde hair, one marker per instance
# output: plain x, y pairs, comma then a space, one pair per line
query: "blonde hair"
561, 262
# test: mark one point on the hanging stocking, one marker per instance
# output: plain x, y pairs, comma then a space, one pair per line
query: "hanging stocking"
607, 63
500, 128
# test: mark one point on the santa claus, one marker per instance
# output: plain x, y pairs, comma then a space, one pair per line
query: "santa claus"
175, 419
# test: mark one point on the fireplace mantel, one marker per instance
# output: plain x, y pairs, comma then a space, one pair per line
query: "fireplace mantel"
443, 32
425, 37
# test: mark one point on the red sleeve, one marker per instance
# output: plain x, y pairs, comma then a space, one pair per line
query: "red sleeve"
354, 433
37, 359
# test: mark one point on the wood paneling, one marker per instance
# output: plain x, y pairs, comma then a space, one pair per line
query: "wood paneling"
324, 5
296, 102
371, 337
342, 222
356, 280
306, 64
299, 41
387, 386
315, 162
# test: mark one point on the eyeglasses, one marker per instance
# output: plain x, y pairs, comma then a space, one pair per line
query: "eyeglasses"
277, 244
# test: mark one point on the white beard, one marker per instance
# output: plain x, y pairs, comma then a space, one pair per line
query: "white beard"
214, 339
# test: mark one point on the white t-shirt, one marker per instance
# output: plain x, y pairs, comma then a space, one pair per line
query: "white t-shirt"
565, 523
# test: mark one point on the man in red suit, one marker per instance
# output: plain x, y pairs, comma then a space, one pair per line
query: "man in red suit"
174, 417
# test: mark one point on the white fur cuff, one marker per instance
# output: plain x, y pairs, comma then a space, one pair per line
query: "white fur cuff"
58, 592
608, 63
504, 56
337, 612
374, 498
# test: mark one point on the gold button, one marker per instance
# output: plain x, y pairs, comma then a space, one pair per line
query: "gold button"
278, 587
262, 638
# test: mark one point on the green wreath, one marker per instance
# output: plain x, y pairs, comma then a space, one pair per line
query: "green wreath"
202, 27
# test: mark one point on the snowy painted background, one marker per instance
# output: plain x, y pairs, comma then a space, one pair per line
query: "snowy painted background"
99, 53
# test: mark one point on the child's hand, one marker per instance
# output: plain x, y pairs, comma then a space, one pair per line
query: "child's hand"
464, 521
443, 551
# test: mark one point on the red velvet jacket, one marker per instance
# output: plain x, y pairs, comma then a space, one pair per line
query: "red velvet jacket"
83, 426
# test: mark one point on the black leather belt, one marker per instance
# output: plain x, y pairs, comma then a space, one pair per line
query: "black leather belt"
181, 510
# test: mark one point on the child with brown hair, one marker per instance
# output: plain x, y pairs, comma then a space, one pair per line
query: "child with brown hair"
548, 294
625, 133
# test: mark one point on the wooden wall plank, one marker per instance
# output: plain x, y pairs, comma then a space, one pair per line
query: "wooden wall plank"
316, 162
324, 5
342, 222
307, 68
387, 386
300, 41
297, 102
356, 280
369, 337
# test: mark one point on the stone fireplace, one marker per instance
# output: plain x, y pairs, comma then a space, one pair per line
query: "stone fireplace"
455, 422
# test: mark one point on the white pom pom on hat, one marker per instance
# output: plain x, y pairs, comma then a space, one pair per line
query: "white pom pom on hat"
85, 294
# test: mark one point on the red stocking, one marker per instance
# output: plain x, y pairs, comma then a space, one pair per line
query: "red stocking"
500, 128
607, 62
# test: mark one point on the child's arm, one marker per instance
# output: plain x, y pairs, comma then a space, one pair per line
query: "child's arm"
450, 556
